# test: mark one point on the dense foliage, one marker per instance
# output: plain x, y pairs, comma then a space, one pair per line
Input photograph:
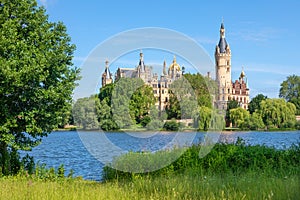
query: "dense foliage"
264, 113
37, 78
255, 103
223, 158
85, 112
129, 102
290, 91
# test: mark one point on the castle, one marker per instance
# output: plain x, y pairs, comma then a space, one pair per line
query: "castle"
227, 90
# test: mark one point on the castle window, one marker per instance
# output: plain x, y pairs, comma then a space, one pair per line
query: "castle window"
228, 91
228, 69
166, 99
162, 91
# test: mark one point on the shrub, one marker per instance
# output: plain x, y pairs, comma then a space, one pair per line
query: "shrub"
171, 126
223, 158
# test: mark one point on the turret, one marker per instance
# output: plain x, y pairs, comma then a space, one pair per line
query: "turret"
106, 76
223, 69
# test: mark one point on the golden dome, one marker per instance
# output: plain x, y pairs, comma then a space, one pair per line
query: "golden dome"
242, 74
174, 65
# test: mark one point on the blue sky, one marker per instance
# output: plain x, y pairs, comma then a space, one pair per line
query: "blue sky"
263, 35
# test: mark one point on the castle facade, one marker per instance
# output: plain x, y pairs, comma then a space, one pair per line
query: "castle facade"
227, 89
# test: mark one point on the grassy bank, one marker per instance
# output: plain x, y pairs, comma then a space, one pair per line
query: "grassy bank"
229, 171
188, 185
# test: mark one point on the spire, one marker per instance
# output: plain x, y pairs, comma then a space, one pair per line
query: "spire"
243, 75
222, 43
108, 74
174, 59
165, 68
141, 63
106, 64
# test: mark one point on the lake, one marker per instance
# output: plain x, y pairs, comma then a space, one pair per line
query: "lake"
86, 151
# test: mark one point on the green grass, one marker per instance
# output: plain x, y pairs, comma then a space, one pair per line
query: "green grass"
188, 185
229, 171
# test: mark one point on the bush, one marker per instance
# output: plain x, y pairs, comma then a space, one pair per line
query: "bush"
223, 158
297, 126
171, 126
155, 125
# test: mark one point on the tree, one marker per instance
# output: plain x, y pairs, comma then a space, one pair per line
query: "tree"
184, 97
277, 113
290, 91
231, 104
85, 112
141, 101
255, 103
202, 88
173, 107
171, 125
204, 118
238, 116
255, 122
37, 77
106, 122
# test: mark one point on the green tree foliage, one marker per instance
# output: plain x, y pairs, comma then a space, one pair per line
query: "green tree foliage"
106, 122
203, 88
277, 113
85, 112
238, 116
204, 118
290, 91
231, 104
36, 76
171, 125
186, 94
255, 122
173, 109
255, 103
120, 101
125, 103
208, 119
141, 101
156, 119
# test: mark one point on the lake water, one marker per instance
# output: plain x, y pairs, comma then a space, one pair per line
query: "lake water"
79, 150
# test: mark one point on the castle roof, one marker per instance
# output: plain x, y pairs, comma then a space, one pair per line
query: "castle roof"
222, 42
107, 72
174, 65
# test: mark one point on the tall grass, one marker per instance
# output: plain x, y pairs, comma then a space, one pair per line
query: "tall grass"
223, 158
188, 185
229, 171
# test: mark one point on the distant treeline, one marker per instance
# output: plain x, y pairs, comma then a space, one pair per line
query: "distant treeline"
130, 104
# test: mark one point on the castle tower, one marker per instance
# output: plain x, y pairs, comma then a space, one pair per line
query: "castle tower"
106, 76
141, 69
165, 68
223, 70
